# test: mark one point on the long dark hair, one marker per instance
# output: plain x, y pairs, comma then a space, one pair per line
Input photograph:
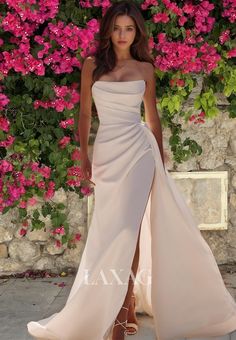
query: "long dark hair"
105, 57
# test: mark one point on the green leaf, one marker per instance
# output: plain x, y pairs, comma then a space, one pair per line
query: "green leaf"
203, 102
36, 214
177, 102
46, 210
171, 106
197, 103
61, 206
212, 112
37, 224
64, 239
165, 102
22, 212
58, 133
5, 210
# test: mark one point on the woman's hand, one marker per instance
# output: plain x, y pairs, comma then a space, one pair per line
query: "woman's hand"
86, 167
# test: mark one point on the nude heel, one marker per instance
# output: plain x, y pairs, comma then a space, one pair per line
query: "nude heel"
132, 324
118, 323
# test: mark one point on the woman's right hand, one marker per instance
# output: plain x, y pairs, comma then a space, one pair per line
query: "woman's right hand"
86, 168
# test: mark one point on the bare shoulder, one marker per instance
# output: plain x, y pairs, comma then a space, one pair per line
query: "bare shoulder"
87, 71
147, 70
146, 65
89, 63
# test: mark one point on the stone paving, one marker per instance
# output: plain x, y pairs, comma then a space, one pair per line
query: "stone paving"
22, 300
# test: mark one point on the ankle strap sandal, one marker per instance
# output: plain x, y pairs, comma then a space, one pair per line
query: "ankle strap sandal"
118, 323
132, 327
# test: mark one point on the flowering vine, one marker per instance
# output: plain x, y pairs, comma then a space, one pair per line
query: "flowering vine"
42, 46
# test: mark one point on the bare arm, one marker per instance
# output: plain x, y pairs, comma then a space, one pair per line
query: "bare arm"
151, 115
85, 112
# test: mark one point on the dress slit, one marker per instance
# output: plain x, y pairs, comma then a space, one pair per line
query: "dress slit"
142, 176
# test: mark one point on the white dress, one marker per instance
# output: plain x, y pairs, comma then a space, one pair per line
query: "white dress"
178, 280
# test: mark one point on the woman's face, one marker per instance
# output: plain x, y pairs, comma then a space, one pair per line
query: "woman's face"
124, 32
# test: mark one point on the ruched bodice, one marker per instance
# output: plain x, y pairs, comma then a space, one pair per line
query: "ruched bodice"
120, 135
118, 102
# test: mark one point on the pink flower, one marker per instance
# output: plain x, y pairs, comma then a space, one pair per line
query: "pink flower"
75, 155
171, 6
25, 223
13, 24
189, 9
41, 185
66, 98
202, 114
51, 190
4, 124
151, 43
86, 191
48, 194
65, 123
148, 3
232, 53
22, 232
8, 142
59, 231
73, 182
23, 64
209, 57
5, 166
93, 25
182, 20
58, 243
85, 3
224, 36
61, 91
180, 82
78, 237
45, 171
198, 118
27, 11
32, 201
64, 141
74, 171
161, 17
34, 166
3, 102
161, 37
229, 10
23, 204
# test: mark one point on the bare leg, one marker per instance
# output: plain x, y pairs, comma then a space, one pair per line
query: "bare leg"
118, 332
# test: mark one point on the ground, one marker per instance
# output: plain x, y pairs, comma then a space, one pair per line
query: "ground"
25, 299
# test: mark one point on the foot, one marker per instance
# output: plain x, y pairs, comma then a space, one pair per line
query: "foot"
119, 327
118, 333
132, 316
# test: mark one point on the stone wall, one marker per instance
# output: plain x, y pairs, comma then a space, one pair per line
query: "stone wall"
36, 251
218, 140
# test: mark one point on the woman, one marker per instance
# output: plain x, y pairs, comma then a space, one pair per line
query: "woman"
141, 227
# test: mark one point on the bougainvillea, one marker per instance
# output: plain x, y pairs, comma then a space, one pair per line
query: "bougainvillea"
42, 46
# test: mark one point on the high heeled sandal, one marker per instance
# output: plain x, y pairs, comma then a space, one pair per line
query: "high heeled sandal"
121, 323
132, 324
